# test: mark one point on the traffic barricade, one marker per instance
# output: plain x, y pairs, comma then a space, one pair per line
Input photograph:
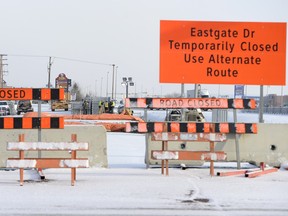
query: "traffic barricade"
22, 162
189, 131
250, 173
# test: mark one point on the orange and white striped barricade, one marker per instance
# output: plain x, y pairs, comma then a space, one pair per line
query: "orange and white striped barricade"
32, 123
32, 93
191, 127
190, 131
190, 103
165, 155
40, 163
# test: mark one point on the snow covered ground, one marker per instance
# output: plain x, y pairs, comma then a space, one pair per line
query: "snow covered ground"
128, 188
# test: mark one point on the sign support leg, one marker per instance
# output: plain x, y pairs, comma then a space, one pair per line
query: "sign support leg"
166, 161
162, 161
21, 156
212, 149
73, 157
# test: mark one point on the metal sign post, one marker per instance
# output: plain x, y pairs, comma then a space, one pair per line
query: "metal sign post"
237, 142
39, 130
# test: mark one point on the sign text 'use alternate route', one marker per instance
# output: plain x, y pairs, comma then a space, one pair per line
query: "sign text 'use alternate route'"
222, 52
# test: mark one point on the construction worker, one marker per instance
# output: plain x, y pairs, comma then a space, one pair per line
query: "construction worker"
112, 106
106, 105
100, 107
85, 106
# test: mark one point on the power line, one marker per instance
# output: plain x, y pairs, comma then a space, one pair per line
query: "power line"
83, 61
70, 59
29, 56
63, 58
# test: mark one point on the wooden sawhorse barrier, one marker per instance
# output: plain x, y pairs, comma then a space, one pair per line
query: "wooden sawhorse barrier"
166, 155
189, 131
41, 163
185, 131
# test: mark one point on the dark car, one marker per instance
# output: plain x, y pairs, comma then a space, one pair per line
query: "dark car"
24, 106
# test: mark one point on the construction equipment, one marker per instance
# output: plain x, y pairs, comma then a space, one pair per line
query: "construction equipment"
59, 104
194, 115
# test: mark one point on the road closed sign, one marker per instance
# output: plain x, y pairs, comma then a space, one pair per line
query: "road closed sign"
31, 94
223, 52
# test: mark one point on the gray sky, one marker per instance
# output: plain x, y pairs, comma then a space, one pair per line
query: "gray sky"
121, 32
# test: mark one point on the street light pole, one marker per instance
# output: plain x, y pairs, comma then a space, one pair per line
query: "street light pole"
107, 85
101, 87
126, 90
49, 72
96, 88
116, 71
127, 81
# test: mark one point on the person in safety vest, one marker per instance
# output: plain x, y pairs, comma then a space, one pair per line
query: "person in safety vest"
100, 107
106, 105
112, 106
85, 106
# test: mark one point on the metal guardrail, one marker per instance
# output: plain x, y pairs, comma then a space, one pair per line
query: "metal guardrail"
77, 107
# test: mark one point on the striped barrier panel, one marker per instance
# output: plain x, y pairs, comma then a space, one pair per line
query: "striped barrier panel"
188, 155
73, 162
190, 103
45, 163
193, 127
200, 137
47, 146
32, 123
32, 94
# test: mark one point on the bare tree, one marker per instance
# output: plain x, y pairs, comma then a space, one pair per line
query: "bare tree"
77, 90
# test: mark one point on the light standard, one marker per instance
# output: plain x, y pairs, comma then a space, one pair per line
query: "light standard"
127, 81
116, 81
107, 85
96, 88
101, 87
113, 81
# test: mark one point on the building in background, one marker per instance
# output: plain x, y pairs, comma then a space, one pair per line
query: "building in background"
63, 82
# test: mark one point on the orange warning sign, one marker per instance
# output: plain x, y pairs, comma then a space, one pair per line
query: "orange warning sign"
190, 103
223, 52
31, 94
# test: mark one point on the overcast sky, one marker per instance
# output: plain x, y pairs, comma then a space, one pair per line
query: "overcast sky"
98, 33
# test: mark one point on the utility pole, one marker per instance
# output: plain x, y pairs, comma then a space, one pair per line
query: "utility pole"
196, 90
116, 82
113, 82
107, 86
101, 87
261, 105
49, 72
182, 96
2, 70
